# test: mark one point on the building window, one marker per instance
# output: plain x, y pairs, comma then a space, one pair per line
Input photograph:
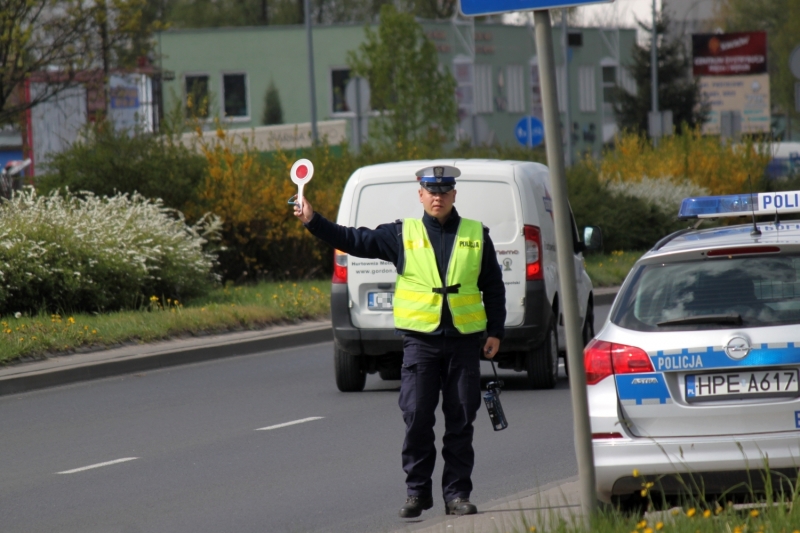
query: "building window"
586, 90
483, 89
197, 97
609, 85
339, 79
536, 90
515, 85
574, 39
462, 70
234, 94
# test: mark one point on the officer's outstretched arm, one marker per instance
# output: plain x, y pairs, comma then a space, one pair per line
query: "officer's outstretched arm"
304, 212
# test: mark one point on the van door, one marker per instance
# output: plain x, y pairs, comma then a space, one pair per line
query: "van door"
370, 282
497, 205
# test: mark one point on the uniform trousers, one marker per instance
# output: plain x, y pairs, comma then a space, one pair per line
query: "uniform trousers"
450, 365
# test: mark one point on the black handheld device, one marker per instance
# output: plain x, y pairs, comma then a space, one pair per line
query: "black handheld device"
493, 405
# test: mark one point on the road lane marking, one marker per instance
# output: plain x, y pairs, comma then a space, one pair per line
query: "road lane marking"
293, 422
98, 465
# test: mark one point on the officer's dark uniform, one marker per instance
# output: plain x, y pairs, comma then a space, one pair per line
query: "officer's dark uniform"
443, 360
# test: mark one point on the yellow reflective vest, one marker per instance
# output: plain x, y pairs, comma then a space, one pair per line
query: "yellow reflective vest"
419, 293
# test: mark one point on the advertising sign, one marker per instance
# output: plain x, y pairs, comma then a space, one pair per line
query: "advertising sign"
729, 54
748, 95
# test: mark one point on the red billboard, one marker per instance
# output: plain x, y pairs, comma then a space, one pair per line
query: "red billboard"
729, 54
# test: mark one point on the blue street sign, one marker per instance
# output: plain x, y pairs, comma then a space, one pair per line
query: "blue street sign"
473, 8
529, 131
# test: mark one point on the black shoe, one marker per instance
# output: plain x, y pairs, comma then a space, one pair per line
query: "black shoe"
415, 505
460, 506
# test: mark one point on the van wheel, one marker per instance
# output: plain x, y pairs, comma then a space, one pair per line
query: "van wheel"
349, 375
542, 362
588, 326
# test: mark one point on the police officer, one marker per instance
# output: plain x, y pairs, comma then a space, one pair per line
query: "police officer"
449, 291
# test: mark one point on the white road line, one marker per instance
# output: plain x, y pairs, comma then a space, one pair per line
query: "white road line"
301, 421
98, 465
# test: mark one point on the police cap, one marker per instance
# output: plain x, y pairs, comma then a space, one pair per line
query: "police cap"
439, 178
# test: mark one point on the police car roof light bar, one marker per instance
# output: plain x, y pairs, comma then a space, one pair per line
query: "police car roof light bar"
738, 205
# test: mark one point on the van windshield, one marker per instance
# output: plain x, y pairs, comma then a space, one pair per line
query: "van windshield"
491, 202
710, 294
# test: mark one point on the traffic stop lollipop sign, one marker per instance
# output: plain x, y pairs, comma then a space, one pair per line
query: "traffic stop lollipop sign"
302, 172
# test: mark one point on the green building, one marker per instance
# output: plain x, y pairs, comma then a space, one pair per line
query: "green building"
494, 64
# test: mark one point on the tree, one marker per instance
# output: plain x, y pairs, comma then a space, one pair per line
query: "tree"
780, 19
59, 39
676, 90
416, 98
35, 35
273, 112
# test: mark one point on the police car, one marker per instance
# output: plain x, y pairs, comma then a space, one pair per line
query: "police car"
694, 380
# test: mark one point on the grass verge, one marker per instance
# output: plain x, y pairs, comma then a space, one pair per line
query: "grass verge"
224, 309
609, 270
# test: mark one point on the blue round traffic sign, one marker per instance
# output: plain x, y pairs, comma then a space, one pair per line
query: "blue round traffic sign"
529, 131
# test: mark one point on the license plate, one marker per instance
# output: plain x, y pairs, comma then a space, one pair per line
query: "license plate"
379, 300
732, 385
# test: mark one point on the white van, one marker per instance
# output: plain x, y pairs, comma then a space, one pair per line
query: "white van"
511, 198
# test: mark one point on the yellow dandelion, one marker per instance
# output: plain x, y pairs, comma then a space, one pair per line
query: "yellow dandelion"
71, 320
85, 328
706, 513
21, 339
532, 529
648, 530
754, 513
642, 524
659, 526
690, 513
202, 309
635, 472
94, 332
33, 338
643, 492
737, 529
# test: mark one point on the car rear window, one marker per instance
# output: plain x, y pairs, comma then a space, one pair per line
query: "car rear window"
712, 293
491, 202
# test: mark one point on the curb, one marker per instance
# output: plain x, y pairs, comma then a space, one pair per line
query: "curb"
128, 360
29, 377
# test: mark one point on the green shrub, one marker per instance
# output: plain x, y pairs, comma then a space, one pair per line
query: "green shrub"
628, 222
64, 253
107, 162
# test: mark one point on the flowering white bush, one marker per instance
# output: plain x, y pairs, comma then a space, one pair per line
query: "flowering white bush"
91, 253
663, 193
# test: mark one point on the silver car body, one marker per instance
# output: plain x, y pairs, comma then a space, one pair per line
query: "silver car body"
697, 412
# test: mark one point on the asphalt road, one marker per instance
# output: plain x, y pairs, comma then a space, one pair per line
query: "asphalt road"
187, 451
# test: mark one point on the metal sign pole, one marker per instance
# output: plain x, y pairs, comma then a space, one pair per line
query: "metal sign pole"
312, 85
654, 71
567, 117
566, 265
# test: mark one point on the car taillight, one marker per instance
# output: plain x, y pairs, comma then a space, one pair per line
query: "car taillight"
533, 253
630, 360
339, 267
597, 361
603, 359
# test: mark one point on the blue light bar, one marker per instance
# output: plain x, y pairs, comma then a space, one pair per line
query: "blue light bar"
737, 205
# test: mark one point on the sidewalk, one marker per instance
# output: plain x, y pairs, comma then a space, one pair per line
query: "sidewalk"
514, 514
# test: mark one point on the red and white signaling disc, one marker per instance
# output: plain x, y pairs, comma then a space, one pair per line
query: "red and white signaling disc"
302, 171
